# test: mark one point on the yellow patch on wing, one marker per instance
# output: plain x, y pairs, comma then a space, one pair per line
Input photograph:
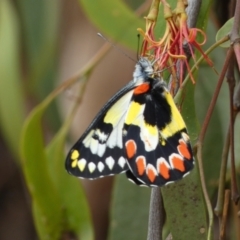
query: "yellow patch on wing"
153, 130
148, 133
74, 154
117, 110
176, 123
74, 163
161, 140
74, 157
134, 111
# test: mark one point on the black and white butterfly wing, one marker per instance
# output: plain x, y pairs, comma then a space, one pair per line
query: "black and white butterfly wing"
155, 137
99, 152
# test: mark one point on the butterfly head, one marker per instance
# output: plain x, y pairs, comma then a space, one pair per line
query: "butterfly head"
143, 69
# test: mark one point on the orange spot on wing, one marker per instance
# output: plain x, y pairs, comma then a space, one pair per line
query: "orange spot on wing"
130, 148
183, 150
141, 89
163, 170
151, 174
141, 165
177, 163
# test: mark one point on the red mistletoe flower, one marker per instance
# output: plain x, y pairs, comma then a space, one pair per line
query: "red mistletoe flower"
178, 37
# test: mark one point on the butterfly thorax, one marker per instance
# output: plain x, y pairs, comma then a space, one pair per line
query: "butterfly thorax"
143, 70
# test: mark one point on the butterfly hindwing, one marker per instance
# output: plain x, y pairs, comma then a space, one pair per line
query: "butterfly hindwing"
155, 138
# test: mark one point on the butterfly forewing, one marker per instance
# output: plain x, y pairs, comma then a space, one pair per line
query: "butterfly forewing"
99, 152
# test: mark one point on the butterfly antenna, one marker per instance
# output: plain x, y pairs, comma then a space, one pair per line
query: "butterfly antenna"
116, 47
138, 44
160, 71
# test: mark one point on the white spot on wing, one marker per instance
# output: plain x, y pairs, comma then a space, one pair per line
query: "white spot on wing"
94, 145
91, 167
140, 180
185, 137
121, 162
101, 149
87, 139
101, 135
110, 162
167, 183
115, 138
100, 166
116, 116
81, 164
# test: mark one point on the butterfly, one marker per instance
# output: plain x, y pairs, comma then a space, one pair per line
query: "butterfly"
139, 131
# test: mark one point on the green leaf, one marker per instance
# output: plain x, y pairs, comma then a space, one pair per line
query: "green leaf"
185, 208
11, 94
58, 200
40, 25
76, 211
34, 162
224, 31
130, 207
183, 201
114, 18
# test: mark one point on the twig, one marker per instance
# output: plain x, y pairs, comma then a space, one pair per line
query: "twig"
215, 95
236, 98
218, 210
155, 222
231, 84
204, 188
234, 36
224, 217
193, 10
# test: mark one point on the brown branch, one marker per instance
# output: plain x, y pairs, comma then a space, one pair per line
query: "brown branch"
224, 217
215, 95
231, 83
234, 36
236, 98
193, 10
155, 222
218, 210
